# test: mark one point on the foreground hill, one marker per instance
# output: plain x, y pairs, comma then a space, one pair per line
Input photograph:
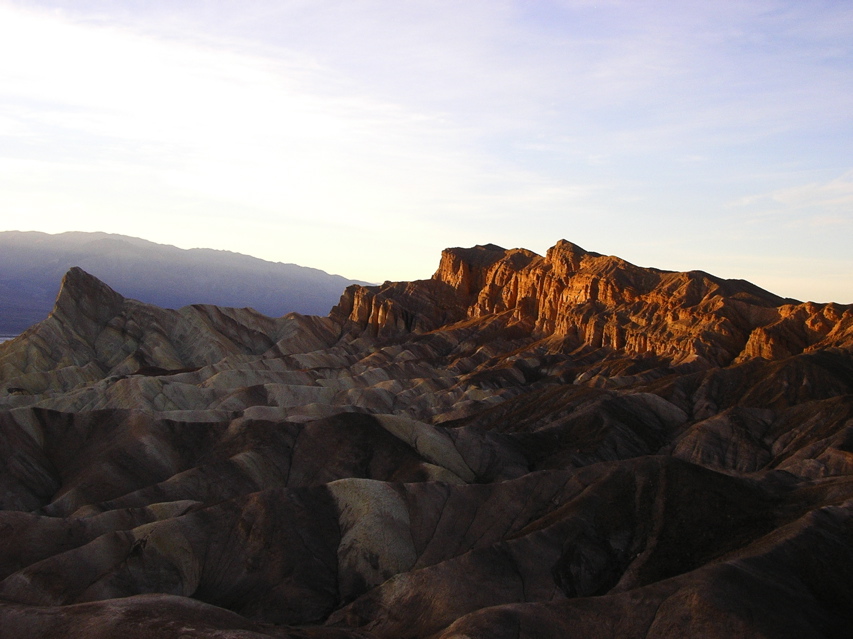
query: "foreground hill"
32, 265
522, 446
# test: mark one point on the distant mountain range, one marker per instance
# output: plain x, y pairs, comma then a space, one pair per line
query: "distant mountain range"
32, 265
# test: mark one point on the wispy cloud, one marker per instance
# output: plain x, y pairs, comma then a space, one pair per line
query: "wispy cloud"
832, 198
833, 195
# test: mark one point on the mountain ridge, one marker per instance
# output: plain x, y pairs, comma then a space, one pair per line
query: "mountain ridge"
33, 263
603, 301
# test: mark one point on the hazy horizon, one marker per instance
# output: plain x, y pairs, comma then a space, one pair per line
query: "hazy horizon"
167, 245
362, 138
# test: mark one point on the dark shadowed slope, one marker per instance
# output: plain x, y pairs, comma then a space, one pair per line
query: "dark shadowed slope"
522, 446
32, 264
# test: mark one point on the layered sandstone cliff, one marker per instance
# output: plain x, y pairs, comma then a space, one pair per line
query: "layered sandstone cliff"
602, 302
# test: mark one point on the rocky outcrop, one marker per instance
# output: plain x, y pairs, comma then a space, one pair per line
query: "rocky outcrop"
399, 308
521, 446
93, 333
602, 302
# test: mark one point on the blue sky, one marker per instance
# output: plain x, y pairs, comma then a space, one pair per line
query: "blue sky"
363, 137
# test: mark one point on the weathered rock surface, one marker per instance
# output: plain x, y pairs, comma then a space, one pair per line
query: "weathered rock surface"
603, 302
521, 446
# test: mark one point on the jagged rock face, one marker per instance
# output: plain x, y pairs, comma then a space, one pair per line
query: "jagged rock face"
522, 446
399, 308
603, 302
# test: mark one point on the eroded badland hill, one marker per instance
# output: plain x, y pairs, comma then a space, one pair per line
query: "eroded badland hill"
522, 446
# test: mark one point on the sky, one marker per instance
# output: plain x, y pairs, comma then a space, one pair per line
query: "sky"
363, 137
